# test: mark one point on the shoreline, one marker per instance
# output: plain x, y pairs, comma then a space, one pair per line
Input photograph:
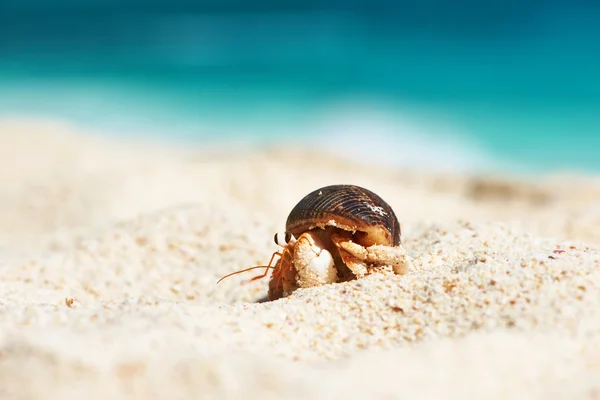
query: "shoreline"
212, 147
435, 143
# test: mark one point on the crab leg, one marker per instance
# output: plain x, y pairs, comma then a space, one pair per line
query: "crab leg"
357, 257
352, 254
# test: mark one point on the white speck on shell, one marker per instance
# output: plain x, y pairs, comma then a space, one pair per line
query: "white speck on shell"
377, 209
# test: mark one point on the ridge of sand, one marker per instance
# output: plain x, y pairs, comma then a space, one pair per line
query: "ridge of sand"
108, 280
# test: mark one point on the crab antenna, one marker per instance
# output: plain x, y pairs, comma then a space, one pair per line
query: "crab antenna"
245, 270
251, 268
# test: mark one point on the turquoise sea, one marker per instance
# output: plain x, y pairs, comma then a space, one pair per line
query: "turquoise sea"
462, 86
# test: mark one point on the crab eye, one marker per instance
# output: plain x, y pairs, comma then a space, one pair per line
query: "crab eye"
280, 239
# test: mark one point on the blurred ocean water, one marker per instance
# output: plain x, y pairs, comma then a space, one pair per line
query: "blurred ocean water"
462, 86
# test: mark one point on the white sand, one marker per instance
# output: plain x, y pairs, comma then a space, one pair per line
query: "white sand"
110, 252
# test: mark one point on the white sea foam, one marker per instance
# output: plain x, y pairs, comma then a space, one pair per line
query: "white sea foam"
405, 139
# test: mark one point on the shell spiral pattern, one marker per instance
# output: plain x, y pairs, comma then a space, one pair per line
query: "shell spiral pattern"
350, 207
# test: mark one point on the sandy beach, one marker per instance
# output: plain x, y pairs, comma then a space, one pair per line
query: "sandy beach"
110, 250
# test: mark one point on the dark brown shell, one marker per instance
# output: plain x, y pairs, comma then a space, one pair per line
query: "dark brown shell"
348, 207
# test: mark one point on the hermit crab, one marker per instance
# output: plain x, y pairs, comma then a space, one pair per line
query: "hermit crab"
334, 234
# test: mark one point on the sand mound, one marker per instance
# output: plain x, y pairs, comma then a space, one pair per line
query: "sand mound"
114, 295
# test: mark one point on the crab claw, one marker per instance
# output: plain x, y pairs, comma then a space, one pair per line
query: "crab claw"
359, 258
394, 256
314, 264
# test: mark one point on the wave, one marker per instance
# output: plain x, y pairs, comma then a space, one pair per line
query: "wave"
404, 139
